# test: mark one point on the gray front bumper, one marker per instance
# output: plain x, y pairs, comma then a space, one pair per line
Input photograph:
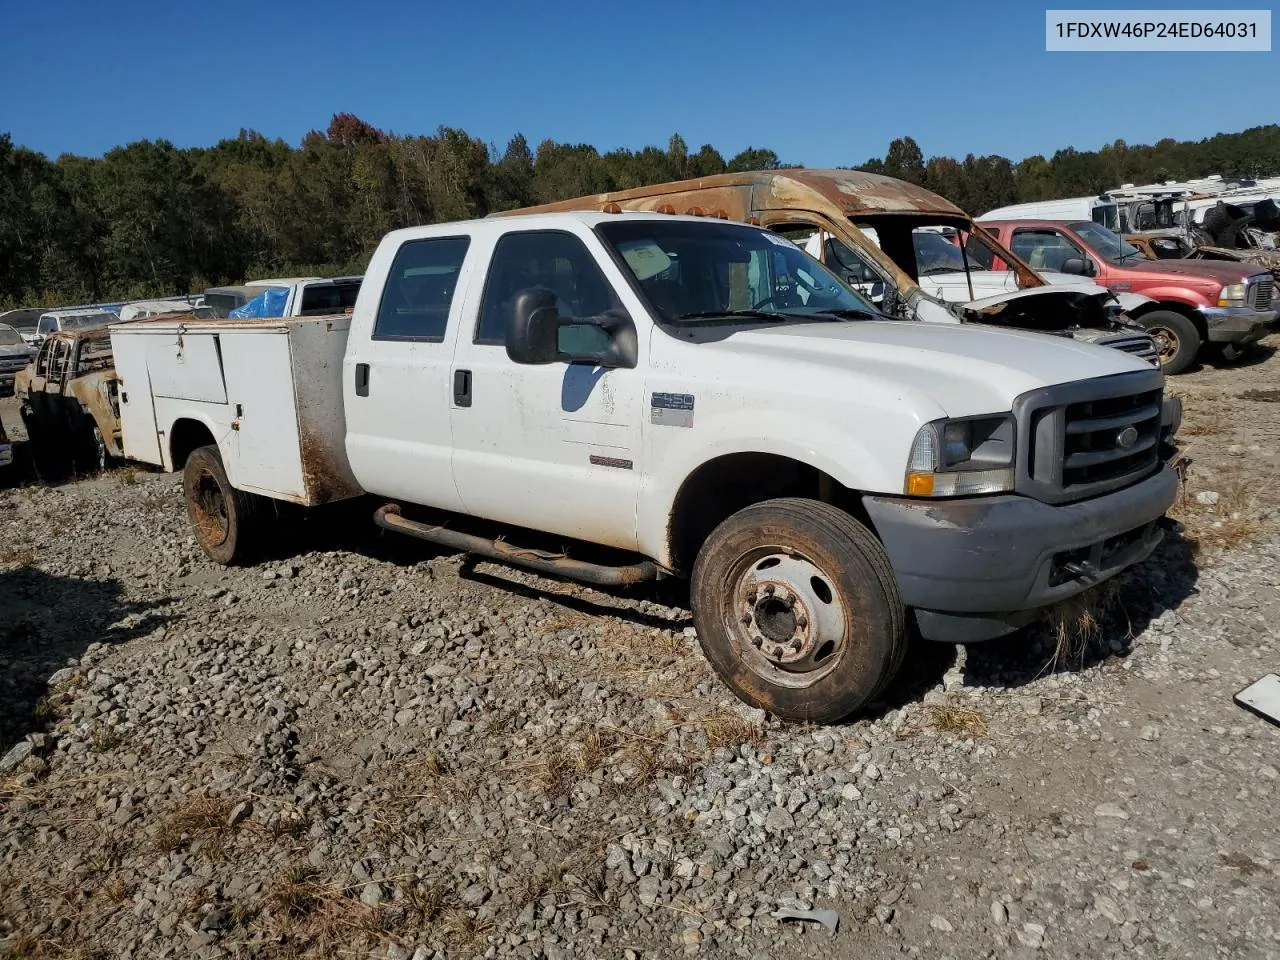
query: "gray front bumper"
1236, 324
980, 567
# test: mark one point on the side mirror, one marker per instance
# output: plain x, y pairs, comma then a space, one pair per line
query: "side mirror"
532, 327
1078, 266
876, 294
537, 334
608, 340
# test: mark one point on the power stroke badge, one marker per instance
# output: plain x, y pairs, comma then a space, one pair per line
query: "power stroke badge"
671, 409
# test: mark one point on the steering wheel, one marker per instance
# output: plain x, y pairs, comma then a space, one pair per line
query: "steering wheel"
763, 303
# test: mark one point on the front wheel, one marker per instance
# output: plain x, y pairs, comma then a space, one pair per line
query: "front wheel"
798, 610
1176, 337
226, 521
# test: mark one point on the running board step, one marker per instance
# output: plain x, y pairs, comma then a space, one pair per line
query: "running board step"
388, 517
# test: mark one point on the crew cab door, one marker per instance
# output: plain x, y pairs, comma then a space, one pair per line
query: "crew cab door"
555, 447
396, 372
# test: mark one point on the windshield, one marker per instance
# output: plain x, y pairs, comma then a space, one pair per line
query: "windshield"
9, 337
87, 320
1107, 244
704, 271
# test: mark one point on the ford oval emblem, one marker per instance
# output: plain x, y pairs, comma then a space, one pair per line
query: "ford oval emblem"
1127, 437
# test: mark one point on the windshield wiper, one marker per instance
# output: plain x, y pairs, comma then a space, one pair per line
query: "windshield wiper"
732, 314
840, 313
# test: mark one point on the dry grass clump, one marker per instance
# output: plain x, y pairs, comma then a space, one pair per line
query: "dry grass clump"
296, 893
725, 729
1077, 622
956, 720
202, 820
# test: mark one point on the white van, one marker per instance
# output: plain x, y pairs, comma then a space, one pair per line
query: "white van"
1101, 209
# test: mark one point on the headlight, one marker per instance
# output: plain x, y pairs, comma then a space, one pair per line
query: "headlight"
959, 458
1232, 296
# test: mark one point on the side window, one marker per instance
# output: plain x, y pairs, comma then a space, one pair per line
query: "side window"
981, 256
845, 263
420, 287
550, 259
1043, 249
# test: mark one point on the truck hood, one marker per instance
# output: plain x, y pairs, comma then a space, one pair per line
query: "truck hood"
965, 369
16, 350
1221, 272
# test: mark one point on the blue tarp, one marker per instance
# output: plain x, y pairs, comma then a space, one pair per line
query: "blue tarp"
268, 304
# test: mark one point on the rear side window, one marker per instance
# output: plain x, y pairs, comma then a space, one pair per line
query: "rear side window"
420, 288
551, 259
319, 299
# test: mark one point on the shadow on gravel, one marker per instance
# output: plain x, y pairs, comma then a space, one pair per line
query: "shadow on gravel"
45, 621
1253, 355
1161, 583
656, 592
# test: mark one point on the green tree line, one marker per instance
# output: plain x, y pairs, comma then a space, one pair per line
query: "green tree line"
149, 219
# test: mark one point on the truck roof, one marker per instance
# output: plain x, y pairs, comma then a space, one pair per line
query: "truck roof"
547, 219
854, 192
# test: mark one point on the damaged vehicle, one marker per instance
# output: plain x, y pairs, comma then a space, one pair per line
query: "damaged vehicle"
15, 354
882, 235
69, 402
1196, 305
1174, 246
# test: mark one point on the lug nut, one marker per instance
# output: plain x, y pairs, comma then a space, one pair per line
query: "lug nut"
768, 589
751, 597
802, 621
746, 619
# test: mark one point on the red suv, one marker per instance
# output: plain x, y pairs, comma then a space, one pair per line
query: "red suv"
1196, 301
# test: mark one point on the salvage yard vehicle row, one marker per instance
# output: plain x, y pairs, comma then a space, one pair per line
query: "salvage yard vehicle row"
699, 395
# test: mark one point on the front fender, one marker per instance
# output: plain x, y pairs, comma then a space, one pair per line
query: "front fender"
871, 462
1181, 295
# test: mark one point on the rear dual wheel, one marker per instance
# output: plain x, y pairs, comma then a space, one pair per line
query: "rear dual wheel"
228, 523
798, 611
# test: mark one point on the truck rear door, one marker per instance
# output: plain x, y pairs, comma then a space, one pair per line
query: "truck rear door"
397, 394
555, 447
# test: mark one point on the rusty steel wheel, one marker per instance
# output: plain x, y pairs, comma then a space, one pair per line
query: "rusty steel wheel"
1177, 340
224, 519
798, 611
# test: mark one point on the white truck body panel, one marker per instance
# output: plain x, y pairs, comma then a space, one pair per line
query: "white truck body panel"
544, 446
267, 391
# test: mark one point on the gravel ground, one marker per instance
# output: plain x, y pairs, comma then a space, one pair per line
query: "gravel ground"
364, 748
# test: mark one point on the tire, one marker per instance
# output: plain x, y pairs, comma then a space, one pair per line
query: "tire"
227, 522
95, 457
1233, 236
1177, 340
798, 611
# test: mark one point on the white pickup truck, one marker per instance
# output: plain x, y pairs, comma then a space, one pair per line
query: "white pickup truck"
702, 397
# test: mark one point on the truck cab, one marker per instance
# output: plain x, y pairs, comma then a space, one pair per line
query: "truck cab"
865, 227
1193, 302
702, 398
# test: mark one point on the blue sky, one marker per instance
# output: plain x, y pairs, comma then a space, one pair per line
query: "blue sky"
821, 83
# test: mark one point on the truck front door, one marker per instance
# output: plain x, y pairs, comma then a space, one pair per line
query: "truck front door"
554, 447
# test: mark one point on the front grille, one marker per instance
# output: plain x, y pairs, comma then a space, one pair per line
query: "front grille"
1077, 440
11, 364
1138, 344
1260, 293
